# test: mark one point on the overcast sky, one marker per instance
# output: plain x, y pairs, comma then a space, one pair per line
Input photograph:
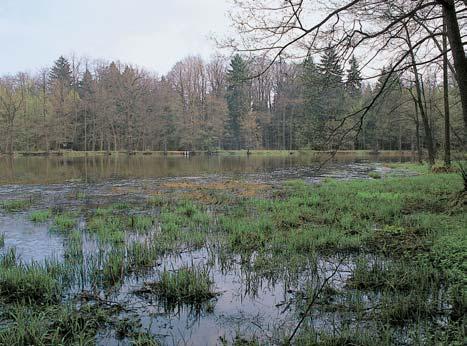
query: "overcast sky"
150, 33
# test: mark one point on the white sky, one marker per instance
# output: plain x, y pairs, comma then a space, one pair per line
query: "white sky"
154, 34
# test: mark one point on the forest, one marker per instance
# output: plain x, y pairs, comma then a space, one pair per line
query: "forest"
210, 105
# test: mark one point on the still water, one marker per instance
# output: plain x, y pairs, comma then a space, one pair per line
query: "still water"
50, 170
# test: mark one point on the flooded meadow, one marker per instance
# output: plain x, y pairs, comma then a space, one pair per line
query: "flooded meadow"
205, 250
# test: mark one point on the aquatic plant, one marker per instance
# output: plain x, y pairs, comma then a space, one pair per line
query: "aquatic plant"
108, 228
186, 285
53, 325
141, 255
28, 284
40, 215
2, 240
114, 268
64, 222
15, 205
141, 223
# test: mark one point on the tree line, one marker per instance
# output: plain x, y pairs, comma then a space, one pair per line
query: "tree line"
209, 105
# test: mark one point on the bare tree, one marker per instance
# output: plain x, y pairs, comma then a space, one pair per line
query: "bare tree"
12, 96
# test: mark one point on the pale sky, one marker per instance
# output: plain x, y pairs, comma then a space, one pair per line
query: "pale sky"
154, 34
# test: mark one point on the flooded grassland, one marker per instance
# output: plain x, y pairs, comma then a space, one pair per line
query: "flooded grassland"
274, 253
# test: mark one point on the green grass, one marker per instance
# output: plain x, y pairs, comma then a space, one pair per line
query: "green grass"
28, 284
374, 175
16, 205
40, 215
110, 228
141, 223
142, 255
187, 285
64, 222
52, 325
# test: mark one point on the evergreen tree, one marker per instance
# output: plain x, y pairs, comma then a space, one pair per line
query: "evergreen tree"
331, 92
60, 87
312, 120
237, 100
354, 79
61, 72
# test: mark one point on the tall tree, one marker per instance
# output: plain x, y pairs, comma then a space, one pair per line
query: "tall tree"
237, 100
353, 84
60, 87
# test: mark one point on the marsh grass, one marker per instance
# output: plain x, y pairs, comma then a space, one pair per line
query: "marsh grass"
114, 268
64, 222
187, 285
53, 325
29, 284
108, 228
141, 223
40, 215
142, 255
16, 205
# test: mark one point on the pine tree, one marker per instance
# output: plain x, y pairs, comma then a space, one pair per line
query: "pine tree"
237, 100
61, 72
331, 91
60, 87
354, 79
313, 103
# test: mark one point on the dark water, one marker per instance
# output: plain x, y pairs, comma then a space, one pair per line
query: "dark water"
50, 170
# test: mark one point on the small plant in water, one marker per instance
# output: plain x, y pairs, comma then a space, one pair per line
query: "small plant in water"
187, 285
2, 240
40, 215
64, 222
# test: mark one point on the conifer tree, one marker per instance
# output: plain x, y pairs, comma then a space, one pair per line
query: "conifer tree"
237, 100
354, 79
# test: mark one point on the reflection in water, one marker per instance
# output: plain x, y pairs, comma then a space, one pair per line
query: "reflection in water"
47, 170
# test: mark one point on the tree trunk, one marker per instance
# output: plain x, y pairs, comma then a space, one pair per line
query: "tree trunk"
447, 135
458, 54
424, 115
